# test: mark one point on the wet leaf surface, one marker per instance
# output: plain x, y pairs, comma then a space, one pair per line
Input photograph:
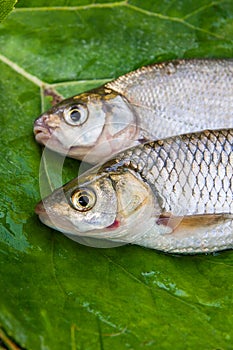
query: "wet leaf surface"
55, 293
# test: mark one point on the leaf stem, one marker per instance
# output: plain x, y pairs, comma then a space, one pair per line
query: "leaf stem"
7, 341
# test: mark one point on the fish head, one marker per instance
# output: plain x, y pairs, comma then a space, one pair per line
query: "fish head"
93, 125
105, 208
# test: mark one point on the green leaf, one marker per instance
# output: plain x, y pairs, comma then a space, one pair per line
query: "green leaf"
55, 293
6, 6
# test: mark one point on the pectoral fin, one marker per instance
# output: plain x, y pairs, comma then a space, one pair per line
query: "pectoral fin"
192, 223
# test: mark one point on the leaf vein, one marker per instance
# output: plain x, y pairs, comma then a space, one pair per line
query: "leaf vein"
173, 19
79, 82
187, 303
54, 271
134, 8
202, 8
23, 72
72, 8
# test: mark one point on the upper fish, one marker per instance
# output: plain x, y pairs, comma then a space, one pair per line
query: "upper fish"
153, 102
174, 195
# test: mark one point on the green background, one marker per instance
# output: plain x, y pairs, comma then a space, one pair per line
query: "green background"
57, 294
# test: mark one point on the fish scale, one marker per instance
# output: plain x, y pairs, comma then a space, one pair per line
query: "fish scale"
195, 171
180, 96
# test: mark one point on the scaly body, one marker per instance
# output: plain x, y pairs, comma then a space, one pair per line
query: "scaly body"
153, 102
174, 195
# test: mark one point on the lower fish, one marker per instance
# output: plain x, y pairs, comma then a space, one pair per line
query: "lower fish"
153, 102
174, 195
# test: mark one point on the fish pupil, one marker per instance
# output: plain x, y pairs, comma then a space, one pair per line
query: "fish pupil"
75, 115
83, 201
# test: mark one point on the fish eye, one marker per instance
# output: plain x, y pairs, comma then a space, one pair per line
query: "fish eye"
83, 199
75, 115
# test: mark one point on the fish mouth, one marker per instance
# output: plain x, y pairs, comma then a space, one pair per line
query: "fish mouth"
41, 131
40, 209
42, 134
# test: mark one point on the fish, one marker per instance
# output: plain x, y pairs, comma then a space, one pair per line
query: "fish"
174, 195
152, 102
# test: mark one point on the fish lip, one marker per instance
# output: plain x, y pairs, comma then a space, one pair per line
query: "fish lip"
40, 209
41, 131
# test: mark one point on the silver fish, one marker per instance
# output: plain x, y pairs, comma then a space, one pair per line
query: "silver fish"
153, 102
173, 195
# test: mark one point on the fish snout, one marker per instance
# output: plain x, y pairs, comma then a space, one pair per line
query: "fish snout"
41, 128
40, 209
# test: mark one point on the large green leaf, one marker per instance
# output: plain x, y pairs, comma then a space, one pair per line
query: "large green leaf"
57, 294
